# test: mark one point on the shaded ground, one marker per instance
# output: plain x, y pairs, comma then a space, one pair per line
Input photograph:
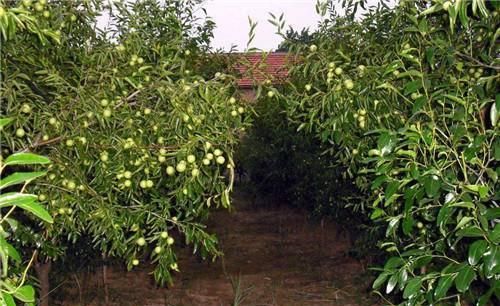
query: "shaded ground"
273, 256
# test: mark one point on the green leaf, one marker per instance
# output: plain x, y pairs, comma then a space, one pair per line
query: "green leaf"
7, 299
14, 198
8, 249
463, 222
26, 202
377, 213
4, 122
391, 284
443, 286
491, 259
19, 177
432, 184
380, 280
412, 288
393, 262
412, 87
476, 251
25, 294
26, 159
391, 189
464, 278
471, 231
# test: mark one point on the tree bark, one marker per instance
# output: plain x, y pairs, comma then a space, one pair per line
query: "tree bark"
42, 270
105, 280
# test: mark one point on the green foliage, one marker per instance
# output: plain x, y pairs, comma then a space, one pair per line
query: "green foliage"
14, 271
140, 140
405, 103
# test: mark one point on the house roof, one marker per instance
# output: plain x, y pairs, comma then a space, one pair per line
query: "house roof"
256, 68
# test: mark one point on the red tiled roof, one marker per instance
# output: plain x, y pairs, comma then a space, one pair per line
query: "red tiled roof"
256, 68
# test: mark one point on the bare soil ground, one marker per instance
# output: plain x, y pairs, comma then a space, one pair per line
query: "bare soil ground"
273, 256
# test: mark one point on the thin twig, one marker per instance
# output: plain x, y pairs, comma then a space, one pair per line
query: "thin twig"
476, 61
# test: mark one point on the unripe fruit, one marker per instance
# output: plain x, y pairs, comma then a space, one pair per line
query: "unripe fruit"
195, 172
127, 183
143, 184
20, 132
127, 174
71, 185
72, 18
38, 7
308, 87
42, 197
241, 110
220, 160
158, 250
140, 60
181, 167
52, 121
135, 262
206, 161
313, 48
349, 84
232, 100
270, 94
355, 152
362, 112
338, 71
164, 235
104, 102
141, 241
170, 240
70, 142
420, 225
331, 65
234, 113
217, 152
107, 113
191, 158
170, 170
184, 191
26, 108
162, 159
147, 111
187, 52
45, 137
104, 157
149, 183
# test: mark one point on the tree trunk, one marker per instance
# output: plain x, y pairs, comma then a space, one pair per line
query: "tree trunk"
105, 280
42, 270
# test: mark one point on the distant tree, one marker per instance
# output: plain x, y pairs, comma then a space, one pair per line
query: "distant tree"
292, 37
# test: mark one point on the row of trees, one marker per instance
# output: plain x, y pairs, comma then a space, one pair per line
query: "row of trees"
139, 129
392, 125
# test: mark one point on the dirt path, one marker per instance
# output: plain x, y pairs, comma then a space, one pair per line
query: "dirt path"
273, 256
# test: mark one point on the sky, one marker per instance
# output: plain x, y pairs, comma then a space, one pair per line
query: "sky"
232, 26
231, 18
